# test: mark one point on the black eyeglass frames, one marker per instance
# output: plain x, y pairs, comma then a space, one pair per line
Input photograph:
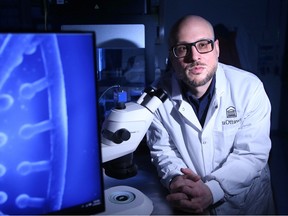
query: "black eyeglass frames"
202, 46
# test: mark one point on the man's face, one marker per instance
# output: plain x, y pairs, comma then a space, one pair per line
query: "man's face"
195, 69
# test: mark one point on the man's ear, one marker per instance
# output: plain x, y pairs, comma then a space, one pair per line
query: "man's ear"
216, 47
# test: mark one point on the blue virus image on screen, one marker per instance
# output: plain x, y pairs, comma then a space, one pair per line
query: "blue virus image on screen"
50, 157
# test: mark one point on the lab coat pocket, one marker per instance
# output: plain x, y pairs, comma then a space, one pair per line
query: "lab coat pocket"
255, 199
235, 204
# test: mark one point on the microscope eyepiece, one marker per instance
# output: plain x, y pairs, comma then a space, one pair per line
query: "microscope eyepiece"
161, 94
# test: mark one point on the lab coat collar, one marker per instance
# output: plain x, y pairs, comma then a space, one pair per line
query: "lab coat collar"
176, 93
220, 85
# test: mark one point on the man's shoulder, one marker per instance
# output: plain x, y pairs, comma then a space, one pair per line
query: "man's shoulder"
237, 75
232, 72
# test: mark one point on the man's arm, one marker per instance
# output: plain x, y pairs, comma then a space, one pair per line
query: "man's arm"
251, 146
164, 153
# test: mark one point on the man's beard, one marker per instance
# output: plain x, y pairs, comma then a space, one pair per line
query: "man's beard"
197, 83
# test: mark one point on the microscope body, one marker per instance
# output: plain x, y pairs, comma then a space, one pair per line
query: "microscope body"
126, 125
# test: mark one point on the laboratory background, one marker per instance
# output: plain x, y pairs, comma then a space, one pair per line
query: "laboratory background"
131, 52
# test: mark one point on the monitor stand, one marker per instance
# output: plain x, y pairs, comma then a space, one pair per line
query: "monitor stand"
125, 200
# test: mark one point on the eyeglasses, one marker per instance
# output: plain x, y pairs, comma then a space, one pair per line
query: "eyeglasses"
202, 46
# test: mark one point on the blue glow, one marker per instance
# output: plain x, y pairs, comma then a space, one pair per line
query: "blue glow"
49, 150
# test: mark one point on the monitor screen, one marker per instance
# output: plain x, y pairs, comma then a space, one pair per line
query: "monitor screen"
50, 152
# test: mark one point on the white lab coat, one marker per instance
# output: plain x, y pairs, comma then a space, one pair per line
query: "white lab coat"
233, 146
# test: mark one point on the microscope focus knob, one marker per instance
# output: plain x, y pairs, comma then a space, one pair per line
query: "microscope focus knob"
121, 135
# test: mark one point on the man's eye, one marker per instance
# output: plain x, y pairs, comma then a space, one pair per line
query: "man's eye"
181, 48
202, 45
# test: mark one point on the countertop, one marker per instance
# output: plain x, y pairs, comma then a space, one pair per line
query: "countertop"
147, 182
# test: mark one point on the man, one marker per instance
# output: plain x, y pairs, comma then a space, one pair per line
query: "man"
210, 140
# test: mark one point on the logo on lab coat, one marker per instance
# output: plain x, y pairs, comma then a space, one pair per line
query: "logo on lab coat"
231, 112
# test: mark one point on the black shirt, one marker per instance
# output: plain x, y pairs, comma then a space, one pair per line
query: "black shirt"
201, 105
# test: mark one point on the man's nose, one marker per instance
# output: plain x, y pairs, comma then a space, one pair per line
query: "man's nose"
194, 55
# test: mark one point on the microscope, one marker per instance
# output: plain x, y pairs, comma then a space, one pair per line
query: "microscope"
122, 131
127, 123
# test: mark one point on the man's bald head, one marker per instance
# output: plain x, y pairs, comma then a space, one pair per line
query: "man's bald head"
190, 21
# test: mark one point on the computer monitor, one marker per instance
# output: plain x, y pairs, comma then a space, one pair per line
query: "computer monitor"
50, 152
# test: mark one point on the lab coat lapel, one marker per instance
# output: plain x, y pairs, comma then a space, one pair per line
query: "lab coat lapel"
188, 113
